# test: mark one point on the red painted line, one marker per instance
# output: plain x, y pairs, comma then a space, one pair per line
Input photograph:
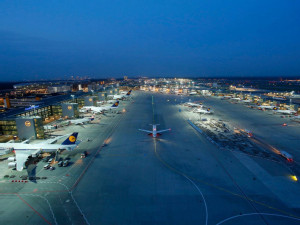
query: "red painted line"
34, 210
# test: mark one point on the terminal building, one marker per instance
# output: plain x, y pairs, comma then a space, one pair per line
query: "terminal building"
30, 127
12, 122
90, 100
102, 96
47, 113
70, 110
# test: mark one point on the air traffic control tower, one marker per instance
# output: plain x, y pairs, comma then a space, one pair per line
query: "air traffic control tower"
70, 110
30, 127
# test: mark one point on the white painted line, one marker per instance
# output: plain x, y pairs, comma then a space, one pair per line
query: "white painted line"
252, 214
206, 211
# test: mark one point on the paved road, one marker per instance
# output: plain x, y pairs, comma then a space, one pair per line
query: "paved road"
180, 178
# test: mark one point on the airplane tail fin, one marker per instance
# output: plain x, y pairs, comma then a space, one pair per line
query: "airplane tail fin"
71, 140
116, 104
129, 92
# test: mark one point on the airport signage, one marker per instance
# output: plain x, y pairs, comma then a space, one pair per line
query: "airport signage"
27, 123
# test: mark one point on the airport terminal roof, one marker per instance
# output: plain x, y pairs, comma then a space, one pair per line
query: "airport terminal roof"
45, 102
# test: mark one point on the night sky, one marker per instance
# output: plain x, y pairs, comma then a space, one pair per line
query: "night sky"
58, 39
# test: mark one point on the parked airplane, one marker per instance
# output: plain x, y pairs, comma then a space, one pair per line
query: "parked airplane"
284, 111
202, 110
236, 99
154, 131
279, 98
23, 150
246, 100
50, 127
296, 118
81, 121
121, 96
99, 109
293, 95
266, 106
192, 104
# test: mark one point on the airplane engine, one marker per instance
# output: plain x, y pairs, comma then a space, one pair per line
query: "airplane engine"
12, 165
11, 159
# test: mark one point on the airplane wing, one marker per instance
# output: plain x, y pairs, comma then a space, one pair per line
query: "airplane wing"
26, 141
160, 131
100, 109
53, 140
21, 158
148, 131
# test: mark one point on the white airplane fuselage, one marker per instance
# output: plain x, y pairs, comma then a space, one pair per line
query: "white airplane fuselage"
154, 131
289, 112
42, 147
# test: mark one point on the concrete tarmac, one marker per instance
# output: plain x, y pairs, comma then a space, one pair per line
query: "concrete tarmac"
178, 178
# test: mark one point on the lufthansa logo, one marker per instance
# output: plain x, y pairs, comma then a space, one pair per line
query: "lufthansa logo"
72, 139
90, 99
69, 107
27, 124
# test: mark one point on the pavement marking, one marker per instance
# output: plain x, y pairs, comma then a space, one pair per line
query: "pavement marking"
65, 209
33, 209
223, 189
54, 218
180, 173
231, 177
185, 176
85, 219
252, 214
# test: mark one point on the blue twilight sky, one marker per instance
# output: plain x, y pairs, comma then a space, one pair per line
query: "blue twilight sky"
103, 38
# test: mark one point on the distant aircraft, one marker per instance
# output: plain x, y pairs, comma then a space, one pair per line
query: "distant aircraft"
246, 100
193, 93
154, 131
293, 95
296, 118
203, 111
81, 121
50, 127
266, 106
23, 150
192, 104
121, 96
99, 109
279, 98
237, 99
284, 111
